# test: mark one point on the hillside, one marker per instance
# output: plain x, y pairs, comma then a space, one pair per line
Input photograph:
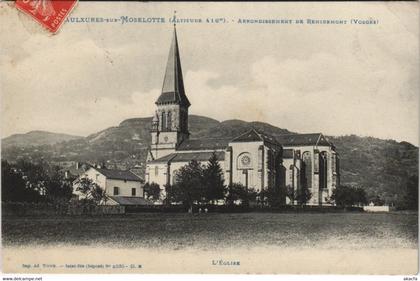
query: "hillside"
381, 167
36, 138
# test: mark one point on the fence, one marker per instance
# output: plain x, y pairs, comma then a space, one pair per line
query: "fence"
183, 209
311, 209
43, 209
241, 209
74, 209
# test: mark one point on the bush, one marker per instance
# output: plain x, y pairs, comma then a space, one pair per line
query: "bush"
152, 191
91, 191
347, 196
238, 192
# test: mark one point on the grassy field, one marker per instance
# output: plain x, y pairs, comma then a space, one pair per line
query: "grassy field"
214, 230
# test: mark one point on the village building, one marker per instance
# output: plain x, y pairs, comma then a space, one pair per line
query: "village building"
254, 159
121, 187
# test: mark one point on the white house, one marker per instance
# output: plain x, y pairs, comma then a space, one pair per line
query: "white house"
121, 187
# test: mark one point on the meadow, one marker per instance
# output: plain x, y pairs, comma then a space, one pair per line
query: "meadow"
212, 231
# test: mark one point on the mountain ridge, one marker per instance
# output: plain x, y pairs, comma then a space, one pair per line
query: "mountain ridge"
7, 141
37, 137
381, 167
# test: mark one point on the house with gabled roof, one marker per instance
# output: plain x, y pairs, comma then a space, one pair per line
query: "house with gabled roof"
122, 187
254, 159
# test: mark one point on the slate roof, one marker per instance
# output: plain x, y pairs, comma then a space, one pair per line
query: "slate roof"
303, 139
253, 135
127, 200
119, 174
188, 156
203, 144
173, 82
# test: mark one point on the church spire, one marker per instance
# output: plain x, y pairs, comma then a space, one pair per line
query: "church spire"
173, 83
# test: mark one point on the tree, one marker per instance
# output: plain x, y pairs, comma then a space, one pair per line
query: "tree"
347, 196
14, 187
377, 200
271, 196
152, 191
91, 191
303, 195
291, 193
98, 195
235, 193
30, 182
251, 196
359, 196
238, 192
57, 188
188, 187
411, 199
341, 196
35, 175
177, 194
169, 198
213, 180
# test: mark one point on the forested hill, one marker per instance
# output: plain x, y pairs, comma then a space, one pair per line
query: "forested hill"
382, 167
36, 138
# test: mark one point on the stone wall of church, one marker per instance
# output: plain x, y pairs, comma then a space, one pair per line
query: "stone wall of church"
321, 182
157, 173
172, 124
246, 165
252, 164
169, 117
256, 165
293, 168
161, 150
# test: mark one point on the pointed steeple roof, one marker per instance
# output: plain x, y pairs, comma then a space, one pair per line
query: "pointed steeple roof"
173, 83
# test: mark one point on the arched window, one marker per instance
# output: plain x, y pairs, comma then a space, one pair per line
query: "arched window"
307, 169
323, 166
169, 121
163, 121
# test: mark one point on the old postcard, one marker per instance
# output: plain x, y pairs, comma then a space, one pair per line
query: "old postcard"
253, 138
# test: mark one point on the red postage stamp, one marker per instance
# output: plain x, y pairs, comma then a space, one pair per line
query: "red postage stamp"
49, 13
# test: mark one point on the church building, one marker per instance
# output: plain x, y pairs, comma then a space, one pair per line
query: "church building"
254, 159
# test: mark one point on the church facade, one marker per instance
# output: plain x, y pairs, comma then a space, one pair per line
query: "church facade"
254, 159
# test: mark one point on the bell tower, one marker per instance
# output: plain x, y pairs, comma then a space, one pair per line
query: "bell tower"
170, 122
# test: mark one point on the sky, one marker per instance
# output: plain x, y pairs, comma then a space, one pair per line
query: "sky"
335, 79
